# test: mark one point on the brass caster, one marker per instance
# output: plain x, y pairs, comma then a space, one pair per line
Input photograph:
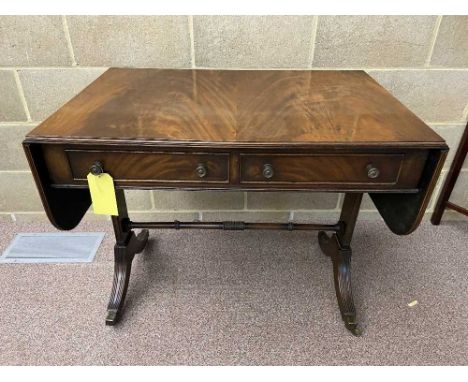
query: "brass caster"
354, 329
111, 318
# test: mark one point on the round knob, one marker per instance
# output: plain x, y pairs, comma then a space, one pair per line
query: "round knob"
372, 172
97, 168
201, 170
268, 171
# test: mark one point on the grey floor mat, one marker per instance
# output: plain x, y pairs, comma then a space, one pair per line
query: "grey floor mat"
63, 247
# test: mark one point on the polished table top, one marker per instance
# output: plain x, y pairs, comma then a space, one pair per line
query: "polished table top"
267, 130
237, 108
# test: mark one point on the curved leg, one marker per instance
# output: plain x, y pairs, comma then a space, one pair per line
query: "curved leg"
341, 259
123, 265
127, 245
122, 269
337, 247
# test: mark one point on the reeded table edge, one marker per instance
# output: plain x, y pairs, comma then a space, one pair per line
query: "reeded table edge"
236, 144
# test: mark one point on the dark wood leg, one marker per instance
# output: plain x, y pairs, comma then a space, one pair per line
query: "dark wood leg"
452, 176
127, 245
337, 247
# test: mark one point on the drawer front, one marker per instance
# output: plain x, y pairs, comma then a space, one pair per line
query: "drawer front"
152, 166
338, 169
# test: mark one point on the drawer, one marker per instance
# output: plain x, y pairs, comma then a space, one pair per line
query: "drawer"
403, 170
152, 167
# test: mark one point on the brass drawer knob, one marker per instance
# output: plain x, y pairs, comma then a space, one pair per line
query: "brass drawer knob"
268, 171
97, 168
372, 172
201, 170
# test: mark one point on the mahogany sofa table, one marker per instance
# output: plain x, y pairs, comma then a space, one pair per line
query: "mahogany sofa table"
266, 130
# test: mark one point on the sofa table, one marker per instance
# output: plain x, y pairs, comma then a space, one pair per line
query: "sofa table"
249, 130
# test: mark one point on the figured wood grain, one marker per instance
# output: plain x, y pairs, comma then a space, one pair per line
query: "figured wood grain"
315, 131
398, 170
155, 166
324, 168
68, 166
236, 108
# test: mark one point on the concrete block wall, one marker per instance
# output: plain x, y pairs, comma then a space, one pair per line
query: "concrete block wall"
45, 60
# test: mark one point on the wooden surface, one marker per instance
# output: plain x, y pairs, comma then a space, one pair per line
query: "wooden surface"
238, 130
236, 108
315, 130
148, 167
334, 169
